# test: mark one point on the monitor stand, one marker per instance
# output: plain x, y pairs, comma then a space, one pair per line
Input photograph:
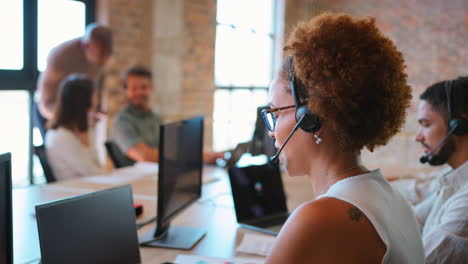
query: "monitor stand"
178, 237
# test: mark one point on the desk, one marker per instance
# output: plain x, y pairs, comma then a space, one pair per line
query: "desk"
214, 211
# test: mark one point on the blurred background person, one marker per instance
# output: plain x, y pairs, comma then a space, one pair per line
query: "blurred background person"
69, 142
86, 55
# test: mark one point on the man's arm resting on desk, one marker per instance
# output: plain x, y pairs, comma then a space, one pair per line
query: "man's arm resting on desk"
211, 157
143, 152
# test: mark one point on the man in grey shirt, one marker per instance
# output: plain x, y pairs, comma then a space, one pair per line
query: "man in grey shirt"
135, 129
86, 55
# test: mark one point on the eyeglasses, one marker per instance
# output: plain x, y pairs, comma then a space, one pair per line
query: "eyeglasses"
269, 116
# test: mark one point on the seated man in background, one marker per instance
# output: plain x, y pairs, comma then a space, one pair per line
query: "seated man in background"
135, 129
443, 133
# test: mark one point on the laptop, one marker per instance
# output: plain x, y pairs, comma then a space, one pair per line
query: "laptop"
98, 227
236, 154
259, 199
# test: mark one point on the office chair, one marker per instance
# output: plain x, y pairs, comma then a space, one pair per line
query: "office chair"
41, 154
117, 156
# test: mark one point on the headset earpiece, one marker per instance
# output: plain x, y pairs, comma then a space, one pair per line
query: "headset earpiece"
458, 125
311, 122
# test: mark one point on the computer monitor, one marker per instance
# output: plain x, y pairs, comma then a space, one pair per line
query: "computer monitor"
6, 212
98, 227
179, 183
261, 142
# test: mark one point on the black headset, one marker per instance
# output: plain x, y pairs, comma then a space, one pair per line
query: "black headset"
458, 125
311, 122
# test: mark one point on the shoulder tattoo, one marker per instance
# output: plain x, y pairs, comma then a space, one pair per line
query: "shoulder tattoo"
354, 213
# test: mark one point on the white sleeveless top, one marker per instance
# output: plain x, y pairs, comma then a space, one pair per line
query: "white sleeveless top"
389, 213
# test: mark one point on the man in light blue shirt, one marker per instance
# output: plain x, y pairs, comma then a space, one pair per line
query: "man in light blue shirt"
443, 134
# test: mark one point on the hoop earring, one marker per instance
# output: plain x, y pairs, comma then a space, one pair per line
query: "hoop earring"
318, 140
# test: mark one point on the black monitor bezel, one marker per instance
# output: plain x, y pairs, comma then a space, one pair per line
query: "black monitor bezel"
164, 223
5, 160
38, 209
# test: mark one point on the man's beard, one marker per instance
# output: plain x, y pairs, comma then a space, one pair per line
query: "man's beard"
444, 154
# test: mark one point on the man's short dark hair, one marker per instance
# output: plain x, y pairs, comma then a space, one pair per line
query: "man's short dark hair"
436, 96
137, 70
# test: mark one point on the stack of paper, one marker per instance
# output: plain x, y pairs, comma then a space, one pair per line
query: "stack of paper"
256, 244
186, 259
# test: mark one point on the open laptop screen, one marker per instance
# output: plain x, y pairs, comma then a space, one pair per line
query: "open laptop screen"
257, 192
99, 227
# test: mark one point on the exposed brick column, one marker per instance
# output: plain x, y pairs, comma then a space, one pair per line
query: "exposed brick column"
130, 22
183, 59
176, 39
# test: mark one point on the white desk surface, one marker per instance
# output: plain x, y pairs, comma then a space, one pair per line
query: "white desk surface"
214, 211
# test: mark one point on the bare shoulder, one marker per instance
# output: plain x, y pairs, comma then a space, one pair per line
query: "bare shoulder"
328, 217
319, 229
59, 57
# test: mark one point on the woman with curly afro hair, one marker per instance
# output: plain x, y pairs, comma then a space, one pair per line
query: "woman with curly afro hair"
341, 89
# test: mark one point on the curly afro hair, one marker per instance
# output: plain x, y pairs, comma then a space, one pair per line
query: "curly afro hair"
353, 78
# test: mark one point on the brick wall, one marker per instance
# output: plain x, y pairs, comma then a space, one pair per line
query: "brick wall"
130, 22
175, 38
432, 36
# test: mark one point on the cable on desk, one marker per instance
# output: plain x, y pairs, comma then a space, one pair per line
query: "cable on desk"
146, 222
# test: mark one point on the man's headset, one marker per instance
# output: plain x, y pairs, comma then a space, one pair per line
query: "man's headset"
457, 126
305, 119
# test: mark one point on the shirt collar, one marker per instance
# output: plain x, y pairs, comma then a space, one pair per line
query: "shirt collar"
456, 178
132, 109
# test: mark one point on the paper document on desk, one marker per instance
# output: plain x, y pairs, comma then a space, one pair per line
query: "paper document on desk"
192, 259
126, 174
256, 244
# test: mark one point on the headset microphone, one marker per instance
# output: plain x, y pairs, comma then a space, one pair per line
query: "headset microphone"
425, 158
273, 160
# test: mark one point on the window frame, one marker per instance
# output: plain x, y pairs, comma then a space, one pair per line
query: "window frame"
274, 35
25, 79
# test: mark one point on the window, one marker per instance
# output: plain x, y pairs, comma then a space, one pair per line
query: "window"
58, 21
15, 129
11, 26
31, 28
243, 67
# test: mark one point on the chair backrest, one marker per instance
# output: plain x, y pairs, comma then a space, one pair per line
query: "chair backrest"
41, 154
6, 212
117, 156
